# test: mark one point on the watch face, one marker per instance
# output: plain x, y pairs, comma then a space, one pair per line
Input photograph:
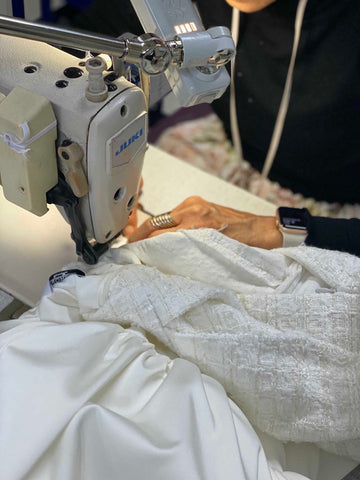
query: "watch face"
292, 218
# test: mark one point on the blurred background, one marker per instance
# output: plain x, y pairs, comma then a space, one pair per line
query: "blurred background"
49, 11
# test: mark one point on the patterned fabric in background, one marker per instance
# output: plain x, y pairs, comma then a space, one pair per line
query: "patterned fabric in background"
204, 144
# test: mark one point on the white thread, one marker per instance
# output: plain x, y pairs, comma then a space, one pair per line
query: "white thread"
20, 146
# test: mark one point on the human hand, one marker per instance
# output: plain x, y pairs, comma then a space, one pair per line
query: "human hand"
195, 212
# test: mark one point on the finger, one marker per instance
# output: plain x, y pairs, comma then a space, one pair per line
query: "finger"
143, 231
128, 231
132, 223
146, 228
186, 227
156, 233
141, 184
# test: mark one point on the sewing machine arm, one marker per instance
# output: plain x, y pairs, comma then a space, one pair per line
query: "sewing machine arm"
73, 134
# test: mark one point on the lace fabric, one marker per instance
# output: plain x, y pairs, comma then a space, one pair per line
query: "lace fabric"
279, 329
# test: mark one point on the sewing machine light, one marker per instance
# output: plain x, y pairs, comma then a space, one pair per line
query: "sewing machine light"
195, 78
185, 28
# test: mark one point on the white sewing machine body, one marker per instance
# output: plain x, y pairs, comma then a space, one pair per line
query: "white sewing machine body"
111, 162
101, 136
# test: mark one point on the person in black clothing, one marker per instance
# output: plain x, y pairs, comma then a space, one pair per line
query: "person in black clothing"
319, 150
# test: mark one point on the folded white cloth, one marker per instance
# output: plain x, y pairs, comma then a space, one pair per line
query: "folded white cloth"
279, 329
95, 401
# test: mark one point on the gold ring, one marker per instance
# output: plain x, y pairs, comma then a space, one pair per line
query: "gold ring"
164, 220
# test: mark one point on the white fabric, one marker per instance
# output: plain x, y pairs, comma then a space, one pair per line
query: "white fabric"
279, 329
95, 401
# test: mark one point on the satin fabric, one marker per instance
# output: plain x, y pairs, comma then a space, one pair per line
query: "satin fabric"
93, 400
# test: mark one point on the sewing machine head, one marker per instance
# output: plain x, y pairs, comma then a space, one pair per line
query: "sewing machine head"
74, 133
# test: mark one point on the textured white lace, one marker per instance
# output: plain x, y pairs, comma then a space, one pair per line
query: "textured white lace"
279, 329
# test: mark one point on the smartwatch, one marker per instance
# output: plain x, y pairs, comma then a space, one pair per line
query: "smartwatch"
293, 225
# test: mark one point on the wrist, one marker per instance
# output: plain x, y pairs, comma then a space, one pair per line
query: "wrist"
272, 237
264, 233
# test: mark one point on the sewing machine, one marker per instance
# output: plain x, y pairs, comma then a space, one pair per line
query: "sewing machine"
98, 143
74, 133
97, 149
